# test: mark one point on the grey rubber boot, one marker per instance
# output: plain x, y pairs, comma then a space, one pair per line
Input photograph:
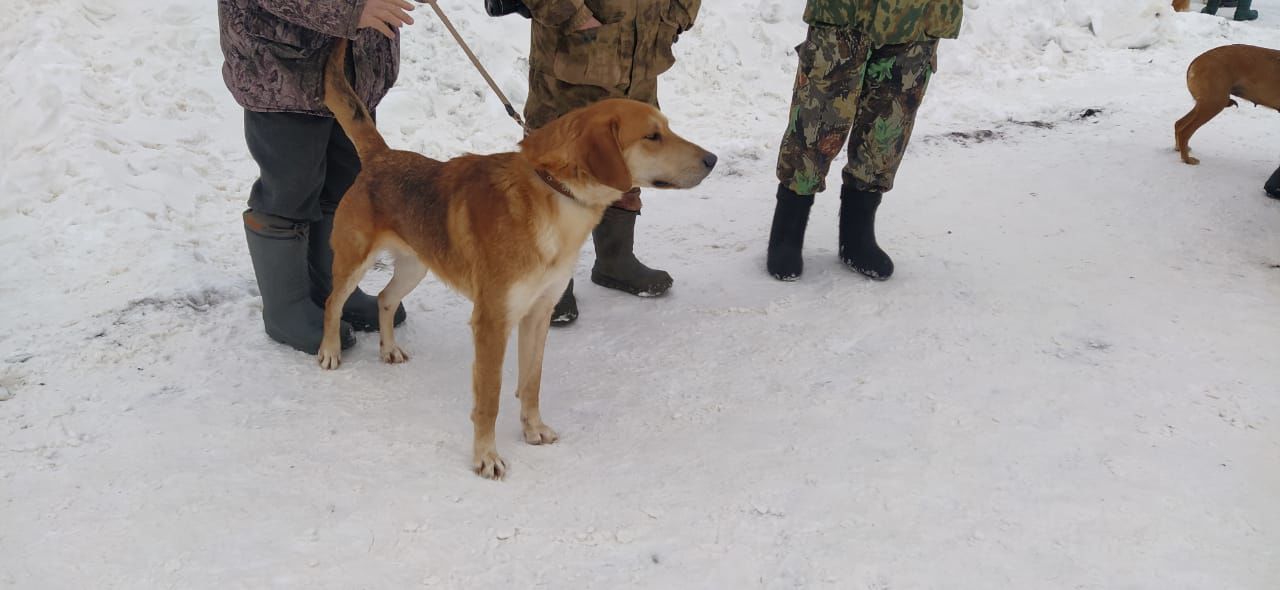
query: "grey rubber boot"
616, 266
361, 309
278, 248
1211, 6
566, 310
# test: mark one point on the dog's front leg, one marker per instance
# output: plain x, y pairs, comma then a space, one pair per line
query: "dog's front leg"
489, 329
533, 341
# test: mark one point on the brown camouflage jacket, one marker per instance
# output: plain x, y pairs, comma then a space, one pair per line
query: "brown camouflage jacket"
634, 42
275, 52
890, 22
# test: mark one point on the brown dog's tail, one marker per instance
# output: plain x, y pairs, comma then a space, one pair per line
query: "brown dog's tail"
347, 107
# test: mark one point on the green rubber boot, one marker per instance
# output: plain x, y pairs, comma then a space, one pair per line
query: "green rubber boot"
1243, 13
1211, 6
278, 248
616, 265
361, 309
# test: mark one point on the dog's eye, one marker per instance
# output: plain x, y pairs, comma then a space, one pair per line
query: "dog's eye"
653, 137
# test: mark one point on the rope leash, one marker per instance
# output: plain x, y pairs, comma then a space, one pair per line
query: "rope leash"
511, 111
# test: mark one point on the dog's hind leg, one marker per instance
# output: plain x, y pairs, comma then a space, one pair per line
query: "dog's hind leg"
352, 256
409, 271
1187, 126
533, 342
490, 329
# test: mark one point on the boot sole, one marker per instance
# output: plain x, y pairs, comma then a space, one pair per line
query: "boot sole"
870, 274
564, 319
348, 340
612, 283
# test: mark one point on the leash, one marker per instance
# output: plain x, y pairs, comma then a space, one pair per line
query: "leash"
543, 174
511, 111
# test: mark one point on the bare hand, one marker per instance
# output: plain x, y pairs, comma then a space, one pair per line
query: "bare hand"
587, 26
386, 16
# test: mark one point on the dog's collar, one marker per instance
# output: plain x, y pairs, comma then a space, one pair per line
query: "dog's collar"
558, 186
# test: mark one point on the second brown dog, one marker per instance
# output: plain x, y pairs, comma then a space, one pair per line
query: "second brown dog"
1244, 71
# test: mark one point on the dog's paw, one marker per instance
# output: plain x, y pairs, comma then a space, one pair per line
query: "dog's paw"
489, 465
393, 355
329, 359
1191, 160
539, 434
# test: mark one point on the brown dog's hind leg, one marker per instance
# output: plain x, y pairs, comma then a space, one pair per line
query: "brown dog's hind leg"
533, 341
489, 329
409, 271
352, 256
1187, 126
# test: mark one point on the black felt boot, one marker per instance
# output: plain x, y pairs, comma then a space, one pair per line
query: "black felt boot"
858, 247
278, 248
361, 309
786, 238
566, 310
1273, 185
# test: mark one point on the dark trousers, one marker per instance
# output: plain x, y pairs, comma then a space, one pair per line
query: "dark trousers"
306, 163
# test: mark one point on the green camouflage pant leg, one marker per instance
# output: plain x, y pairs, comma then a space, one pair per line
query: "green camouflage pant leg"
843, 83
892, 88
824, 103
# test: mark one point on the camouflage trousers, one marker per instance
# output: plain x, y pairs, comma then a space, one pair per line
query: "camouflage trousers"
549, 99
846, 88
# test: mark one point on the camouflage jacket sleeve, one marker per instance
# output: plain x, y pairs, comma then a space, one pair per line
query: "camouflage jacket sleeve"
558, 14
684, 12
336, 18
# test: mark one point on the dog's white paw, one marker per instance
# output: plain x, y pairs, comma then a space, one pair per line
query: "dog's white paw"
539, 434
393, 355
329, 359
489, 465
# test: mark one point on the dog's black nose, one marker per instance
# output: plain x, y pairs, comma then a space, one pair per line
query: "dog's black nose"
710, 160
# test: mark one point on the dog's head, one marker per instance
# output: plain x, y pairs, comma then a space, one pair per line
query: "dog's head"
620, 144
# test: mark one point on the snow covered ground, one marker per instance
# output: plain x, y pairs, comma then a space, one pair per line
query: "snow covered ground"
1071, 383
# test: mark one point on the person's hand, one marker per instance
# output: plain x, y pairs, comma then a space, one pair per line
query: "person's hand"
587, 26
386, 16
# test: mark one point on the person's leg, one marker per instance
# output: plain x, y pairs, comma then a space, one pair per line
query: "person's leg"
892, 90
823, 104
290, 152
616, 265
342, 166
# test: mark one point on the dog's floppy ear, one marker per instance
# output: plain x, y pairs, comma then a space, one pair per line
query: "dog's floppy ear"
600, 155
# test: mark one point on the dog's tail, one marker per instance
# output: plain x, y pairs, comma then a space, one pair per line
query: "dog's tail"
347, 107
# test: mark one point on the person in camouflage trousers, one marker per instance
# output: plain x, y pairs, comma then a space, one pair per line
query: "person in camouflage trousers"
864, 67
584, 51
